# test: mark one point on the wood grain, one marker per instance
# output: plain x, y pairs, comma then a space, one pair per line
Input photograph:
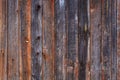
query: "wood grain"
13, 39
83, 35
3, 40
36, 38
118, 39
95, 21
48, 40
25, 16
106, 39
72, 39
60, 40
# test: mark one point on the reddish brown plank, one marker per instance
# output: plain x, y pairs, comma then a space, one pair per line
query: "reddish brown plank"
48, 40
118, 39
25, 17
3, 40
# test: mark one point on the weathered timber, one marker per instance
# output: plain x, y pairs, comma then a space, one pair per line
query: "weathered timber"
95, 21
3, 39
25, 18
48, 40
36, 38
60, 40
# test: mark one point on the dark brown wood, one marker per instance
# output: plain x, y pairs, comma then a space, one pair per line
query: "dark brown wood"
83, 35
3, 39
118, 39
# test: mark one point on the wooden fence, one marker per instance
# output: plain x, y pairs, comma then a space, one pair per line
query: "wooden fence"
59, 39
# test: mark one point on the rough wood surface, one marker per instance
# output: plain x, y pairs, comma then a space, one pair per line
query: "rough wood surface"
36, 38
83, 35
13, 39
3, 40
72, 39
59, 39
48, 40
95, 11
25, 16
118, 39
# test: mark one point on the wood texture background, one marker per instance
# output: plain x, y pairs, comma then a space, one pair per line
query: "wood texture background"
59, 39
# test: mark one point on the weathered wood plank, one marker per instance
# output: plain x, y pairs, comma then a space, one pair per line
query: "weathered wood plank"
95, 21
106, 39
60, 40
118, 39
3, 40
48, 40
72, 39
36, 36
114, 39
25, 17
13, 39
83, 33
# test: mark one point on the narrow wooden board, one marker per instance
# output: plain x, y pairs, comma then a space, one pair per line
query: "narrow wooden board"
83, 37
113, 39
25, 17
106, 39
13, 39
95, 21
72, 39
60, 40
48, 40
118, 39
3, 40
36, 38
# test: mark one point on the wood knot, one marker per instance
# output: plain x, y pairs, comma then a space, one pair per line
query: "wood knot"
37, 53
38, 38
38, 7
12, 60
2, 51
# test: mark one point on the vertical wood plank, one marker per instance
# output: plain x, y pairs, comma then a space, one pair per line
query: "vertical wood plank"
83, 36
106, 39
1, 33
118, 39
13, 39
25, 16
114, 39
88, 61
48, 40
95, 21
3, 40
72, 39
36, 36
60, 40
